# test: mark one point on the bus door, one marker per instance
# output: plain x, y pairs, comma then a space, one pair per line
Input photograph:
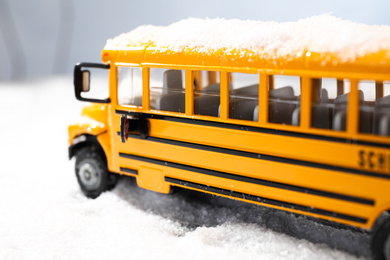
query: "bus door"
131, 149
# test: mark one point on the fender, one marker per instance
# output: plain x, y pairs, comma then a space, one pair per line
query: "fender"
93, 121
87, 126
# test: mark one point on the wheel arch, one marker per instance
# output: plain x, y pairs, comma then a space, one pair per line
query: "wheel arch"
380, 235
382, 215
82, 141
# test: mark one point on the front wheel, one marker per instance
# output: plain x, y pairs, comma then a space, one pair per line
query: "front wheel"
91, 172
381, 241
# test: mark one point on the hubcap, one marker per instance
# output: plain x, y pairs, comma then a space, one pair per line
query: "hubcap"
89, 176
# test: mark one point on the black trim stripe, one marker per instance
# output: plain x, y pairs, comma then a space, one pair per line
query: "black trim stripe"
254, 129
127, 170
265, 200
251, 180
266, 157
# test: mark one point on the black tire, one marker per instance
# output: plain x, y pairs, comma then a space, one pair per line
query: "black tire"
380, 244
91, 172
112, 180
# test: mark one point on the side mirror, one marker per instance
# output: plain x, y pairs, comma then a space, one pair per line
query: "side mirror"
82, 81
86, 81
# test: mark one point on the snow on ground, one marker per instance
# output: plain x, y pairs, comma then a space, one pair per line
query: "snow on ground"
43, 214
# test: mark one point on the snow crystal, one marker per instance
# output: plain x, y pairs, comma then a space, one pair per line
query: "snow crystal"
320, 34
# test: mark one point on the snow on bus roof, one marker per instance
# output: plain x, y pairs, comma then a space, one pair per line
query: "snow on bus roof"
323, 34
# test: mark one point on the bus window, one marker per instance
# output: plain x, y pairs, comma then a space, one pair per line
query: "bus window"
374, 112
381, 118
366, 105
130, 86
386, 88
324, 92
284, 98
243, 95
206, 92
167, 90
329, 103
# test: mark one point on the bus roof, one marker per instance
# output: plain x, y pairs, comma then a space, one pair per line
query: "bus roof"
323, 42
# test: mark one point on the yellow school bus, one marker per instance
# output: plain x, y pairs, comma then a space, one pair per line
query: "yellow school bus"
306, 132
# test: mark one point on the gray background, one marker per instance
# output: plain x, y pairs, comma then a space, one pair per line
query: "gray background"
44, 37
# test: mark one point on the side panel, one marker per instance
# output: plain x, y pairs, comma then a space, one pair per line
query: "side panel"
289, 172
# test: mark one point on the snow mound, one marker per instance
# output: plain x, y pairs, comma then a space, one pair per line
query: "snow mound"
321, 34
44, 215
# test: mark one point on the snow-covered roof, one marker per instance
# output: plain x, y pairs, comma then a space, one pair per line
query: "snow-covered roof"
323, 34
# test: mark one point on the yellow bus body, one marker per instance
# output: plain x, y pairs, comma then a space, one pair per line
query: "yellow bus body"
340, 176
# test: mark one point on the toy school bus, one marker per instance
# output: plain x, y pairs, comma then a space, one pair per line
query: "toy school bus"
304, 132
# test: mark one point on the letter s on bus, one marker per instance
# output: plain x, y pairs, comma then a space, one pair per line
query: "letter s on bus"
361, 158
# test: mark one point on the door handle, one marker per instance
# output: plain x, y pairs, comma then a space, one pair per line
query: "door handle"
138, 125
124, 128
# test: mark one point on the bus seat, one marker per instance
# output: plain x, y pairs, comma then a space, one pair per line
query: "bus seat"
137, 101
319, 113
214, 88
324, 96
365, 119
206, 105
243, 102
343, 99
286, 93
383, 102
252, 90
340, 111
256, 114
339, 120
384, 125
174, 102
320, 116
282, 103
381, 109
241, 108
296, 117
172, 81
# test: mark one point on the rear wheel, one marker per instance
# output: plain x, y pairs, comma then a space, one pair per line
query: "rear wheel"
381, 240
92, 173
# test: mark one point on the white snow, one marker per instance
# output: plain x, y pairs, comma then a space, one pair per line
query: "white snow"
43, 214
322, 34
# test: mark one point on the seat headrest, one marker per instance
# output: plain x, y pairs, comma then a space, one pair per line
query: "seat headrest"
383, 102
324, 95
282, 93
172, 79
343, 99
